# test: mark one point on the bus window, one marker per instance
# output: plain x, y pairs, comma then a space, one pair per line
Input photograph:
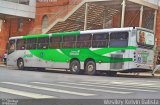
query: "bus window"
43, 43
11, 46
118, 39
100, 40
20, 45
68, 42
84, 41
55, 42
31, 43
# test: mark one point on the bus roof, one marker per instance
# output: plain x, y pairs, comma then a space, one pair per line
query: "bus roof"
113, 30
78, 32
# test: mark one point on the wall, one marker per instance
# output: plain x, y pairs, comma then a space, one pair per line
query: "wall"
131, 19
158, 28
49, 9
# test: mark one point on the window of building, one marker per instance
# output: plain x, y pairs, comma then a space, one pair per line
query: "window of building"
31, 43
84, 41
68, 42
55, 42
26, 2
20, 44
43, 43
20, 24
100, 40
118, 39
44, 22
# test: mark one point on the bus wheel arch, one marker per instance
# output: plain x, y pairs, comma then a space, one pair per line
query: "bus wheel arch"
75, 66
20, 63
90, 66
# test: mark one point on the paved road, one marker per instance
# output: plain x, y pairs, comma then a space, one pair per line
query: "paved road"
16, 84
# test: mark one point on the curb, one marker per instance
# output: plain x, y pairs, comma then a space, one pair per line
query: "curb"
2, 64
143, 74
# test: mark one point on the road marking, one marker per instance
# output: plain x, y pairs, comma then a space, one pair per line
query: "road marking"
125, 85
49, 89
126, 81
92, 89
137, 84
133, 83
109, 86
23, 93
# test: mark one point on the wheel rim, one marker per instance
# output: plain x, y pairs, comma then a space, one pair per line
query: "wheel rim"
90, 68
74, 68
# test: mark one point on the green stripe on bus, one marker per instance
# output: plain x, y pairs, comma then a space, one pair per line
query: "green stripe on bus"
53, 34
36, 36
65, 55
104, 51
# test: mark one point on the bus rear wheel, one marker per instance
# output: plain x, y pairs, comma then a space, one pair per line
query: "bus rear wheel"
90, 68
20, 64
75, 67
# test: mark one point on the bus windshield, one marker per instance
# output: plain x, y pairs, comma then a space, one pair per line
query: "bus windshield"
11, 46
145, 38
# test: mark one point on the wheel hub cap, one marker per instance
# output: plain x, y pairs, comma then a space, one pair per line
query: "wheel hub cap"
20, 64
74, 68
90, 68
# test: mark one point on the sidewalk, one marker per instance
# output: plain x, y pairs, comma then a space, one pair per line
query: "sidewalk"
142, 74
2, 65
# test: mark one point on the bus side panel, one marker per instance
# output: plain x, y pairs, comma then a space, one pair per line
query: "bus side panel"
103, 66
126, 55
13, 57
33, 61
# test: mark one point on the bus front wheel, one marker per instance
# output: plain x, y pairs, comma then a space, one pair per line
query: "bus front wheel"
90, 68
75, 67
20, 64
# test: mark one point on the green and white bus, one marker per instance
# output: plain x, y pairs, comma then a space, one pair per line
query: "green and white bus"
109, 50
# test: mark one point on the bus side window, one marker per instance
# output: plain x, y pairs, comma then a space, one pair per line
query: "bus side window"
31, 43
43, 43
100, 40
68, 42
55, 42
118, 39
20, 45
84, 41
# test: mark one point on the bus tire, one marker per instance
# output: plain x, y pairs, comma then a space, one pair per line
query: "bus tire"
75, 67
90, 68
20, 64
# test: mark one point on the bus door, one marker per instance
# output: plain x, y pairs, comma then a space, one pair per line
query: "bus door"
11, 49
